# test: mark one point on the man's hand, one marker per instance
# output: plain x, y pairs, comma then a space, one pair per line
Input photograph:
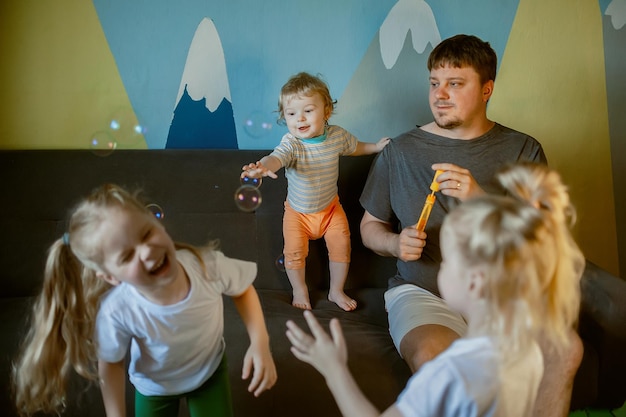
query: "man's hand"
457, 182
410, 244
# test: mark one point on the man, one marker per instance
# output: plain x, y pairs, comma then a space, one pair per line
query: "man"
469, 149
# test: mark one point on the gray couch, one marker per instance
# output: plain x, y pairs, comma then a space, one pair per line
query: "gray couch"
195, 189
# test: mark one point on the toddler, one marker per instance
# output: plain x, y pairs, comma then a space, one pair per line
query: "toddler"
310, 153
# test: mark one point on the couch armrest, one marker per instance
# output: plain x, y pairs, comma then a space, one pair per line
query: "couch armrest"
602, 327
604, 300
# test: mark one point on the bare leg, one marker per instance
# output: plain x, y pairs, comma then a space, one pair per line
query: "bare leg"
300, 290
423, 343
338, 276
555, 390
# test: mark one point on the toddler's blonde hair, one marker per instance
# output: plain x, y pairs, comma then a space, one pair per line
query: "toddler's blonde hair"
304, 84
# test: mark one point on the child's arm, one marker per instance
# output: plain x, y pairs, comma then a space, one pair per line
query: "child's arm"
258, 355
113, 387
330, 357
266, 167
365, 148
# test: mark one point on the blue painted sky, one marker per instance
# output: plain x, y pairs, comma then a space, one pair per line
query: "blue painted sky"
264, 43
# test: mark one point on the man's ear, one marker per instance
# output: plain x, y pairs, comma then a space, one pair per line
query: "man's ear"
108, 278
487, 90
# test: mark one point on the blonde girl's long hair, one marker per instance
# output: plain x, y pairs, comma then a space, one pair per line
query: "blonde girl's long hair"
61, 333
534, 265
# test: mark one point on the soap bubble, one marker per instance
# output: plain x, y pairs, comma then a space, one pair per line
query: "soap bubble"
280, 263
254, 182
125, 126
257, 124
247, 198
156, 210
102, 143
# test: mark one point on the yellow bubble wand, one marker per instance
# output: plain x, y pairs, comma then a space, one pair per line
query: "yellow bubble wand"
428, 205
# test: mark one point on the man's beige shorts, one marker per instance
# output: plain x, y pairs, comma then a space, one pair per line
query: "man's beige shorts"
409, 306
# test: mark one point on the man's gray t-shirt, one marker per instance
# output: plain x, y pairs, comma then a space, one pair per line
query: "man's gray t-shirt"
400, 179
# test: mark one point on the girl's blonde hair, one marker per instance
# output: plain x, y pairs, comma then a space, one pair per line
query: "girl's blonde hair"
304, 84
533, 264
61, 333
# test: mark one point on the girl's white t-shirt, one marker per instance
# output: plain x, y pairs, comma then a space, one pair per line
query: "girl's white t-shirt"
175, 348
467, 380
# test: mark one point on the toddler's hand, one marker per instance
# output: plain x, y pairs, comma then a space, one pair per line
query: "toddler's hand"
380, 145
257, 170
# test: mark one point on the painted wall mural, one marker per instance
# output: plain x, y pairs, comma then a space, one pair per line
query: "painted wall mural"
391, 79
554, 99
203, 117
114, 74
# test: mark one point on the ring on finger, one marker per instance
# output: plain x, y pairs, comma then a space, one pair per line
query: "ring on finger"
458, 185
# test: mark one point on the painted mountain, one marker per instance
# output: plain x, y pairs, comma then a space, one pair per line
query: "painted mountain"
203, 116
388, 93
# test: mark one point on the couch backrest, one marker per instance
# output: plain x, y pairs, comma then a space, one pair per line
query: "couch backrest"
196, 190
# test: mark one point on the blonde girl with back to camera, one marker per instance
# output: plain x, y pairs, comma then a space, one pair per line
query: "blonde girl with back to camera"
512, 269
116, 282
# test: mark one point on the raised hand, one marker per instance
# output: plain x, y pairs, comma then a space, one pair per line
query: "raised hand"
257, 170
318, 349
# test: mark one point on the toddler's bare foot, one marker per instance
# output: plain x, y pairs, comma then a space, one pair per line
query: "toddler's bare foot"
301, 300
342, 300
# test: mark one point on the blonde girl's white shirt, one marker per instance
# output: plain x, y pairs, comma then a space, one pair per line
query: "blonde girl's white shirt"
467, 380
174, 348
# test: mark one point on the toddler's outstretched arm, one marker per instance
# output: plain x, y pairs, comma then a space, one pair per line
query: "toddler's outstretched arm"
266, 167
330, 357
258, 356
365, 148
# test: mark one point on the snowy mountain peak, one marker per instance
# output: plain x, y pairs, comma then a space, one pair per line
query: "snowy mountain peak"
415, 16
617, 11
205, 69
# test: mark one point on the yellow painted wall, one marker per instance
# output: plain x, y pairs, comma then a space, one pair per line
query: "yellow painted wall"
551, 84
59, 78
